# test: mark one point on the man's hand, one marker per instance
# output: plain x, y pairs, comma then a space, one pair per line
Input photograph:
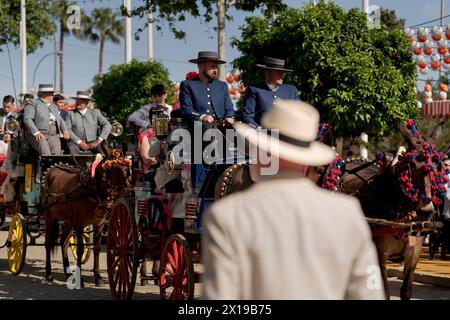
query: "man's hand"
84, 145
150, 161
66, 135
94, 144
39, 137
208, 119
229, 120
7, 138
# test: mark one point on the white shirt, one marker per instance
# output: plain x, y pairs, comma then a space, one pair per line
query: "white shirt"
140, 117
272, 87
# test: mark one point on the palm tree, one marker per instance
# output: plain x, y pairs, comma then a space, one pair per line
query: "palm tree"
103, 25
58, 11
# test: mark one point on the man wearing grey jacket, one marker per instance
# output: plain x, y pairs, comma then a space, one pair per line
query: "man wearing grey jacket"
88, 127
44, 124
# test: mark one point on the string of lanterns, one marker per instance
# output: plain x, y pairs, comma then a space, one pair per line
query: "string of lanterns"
431, 53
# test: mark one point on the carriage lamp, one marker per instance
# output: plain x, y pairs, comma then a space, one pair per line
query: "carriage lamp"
116, 129
12, 127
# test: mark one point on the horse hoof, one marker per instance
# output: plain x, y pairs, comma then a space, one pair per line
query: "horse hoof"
99, 282
49, 278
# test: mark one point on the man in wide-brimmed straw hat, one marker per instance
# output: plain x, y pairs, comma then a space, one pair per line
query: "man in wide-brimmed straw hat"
284, 237
205, 98
88, 127
44, 123
260, 98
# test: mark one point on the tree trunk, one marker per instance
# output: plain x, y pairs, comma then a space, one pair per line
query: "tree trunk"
100, 61
61, 57
221, 10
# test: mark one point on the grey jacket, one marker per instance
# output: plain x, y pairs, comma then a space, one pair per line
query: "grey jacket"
80, 125
37, 115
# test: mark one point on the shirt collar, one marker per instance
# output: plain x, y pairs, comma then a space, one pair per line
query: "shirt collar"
272, 87
83, 112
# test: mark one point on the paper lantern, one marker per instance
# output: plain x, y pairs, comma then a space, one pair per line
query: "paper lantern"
436, 33
237, 96
442, 47
435, 65
428, 51
434, 57
428, 88
447, 58
419, 104
443, 87
423, 65
422, 34
427, 94
416, 48
415, 90
424, 70
428, 100
428, 45
232, 91
442, 95
446, 65
231, 79
242, 89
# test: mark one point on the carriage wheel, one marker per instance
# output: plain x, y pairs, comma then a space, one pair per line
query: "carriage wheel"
87, 240
122, 250
176, 273
17, 245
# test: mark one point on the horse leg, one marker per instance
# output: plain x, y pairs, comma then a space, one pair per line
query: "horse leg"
412, 256
98, 228
80, 250
380, 244
51, 226
64, 245
143, 272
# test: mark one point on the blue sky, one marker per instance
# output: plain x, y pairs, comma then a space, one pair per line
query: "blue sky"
81, 57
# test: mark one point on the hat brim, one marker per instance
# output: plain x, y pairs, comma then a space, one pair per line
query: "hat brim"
82, 98
46, 91
273, 68
317, 154
206, 60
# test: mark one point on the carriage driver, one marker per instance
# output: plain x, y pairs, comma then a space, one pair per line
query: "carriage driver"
88, 127
44, 124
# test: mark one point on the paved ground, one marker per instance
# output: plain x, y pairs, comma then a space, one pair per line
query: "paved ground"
30, 284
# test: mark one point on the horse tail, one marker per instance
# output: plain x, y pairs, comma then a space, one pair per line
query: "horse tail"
53, 240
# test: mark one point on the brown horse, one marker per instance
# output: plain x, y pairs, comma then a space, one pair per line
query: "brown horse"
80, 196
237, 177
382, 196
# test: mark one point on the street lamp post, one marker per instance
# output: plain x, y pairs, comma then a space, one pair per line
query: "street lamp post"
23, 45
40, 61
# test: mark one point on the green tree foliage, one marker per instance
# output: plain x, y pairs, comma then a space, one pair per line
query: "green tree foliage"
126, 88
103, 25
39, 23
176, 10
359, 79
390, 20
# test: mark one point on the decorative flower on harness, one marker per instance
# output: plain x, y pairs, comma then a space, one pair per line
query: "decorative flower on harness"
191, 75
333, 175
323, 129
433, 165
412, 126
116, 161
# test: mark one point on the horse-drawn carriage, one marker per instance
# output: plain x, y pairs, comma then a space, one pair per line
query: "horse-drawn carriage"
164, 225
26, 180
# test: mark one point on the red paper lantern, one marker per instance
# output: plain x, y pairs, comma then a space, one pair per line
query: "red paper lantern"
428, 51
435, 65
411, 39
437, 37
423, 65
447, 58
447, 35
443, 87
421, 39
231, 79
418, 51
428, 87
232, 91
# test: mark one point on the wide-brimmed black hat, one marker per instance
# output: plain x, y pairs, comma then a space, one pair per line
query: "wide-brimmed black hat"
204, 56
273, 64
